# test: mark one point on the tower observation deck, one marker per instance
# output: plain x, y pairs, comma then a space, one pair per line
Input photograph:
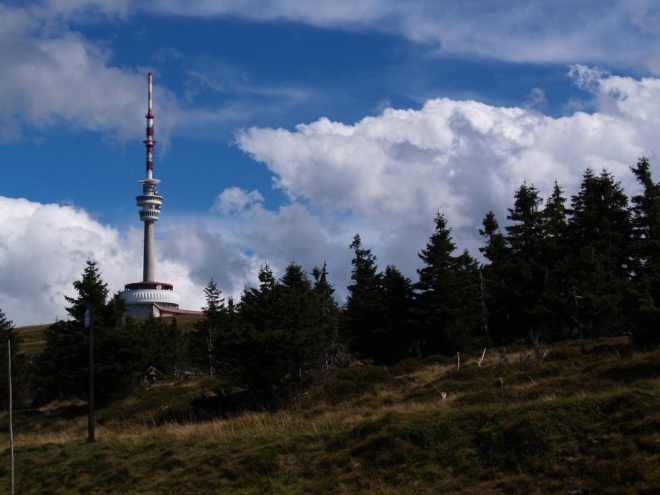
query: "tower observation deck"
149, 297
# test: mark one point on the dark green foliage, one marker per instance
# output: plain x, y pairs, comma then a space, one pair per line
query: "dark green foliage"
493, 280
20, 383
329, 307
550, 312
123, 350
396, 336
201, 341
92, 293
599, 266
525, 273
363, 317
62, 368
279, 333
377, 321
449, 312
646, 247
163, 344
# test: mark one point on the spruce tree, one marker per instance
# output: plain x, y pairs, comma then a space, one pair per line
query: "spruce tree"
550, 310
600, 263
62, 367
119, 348
202, 349
281, 335
494, 283
396, 336
449, 305
525, 275
92, 293
363, 317
329, 310
646, 276
8, 335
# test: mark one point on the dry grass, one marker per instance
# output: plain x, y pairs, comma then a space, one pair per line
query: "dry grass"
583, 420
31, 338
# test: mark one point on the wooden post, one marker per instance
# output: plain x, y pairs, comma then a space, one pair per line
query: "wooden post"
89, 322
482, 357
11, 418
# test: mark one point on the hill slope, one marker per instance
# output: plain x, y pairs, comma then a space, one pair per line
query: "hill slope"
585, 420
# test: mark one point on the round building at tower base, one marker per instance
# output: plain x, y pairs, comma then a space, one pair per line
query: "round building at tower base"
150, 299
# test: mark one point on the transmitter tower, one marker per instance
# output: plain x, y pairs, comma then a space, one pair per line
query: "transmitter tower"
150, 297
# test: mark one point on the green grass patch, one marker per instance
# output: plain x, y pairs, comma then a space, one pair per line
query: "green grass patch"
584, 420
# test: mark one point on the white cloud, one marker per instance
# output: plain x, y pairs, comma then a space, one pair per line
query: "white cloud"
235, 200
619, 32
44, 248
53, 76
389, 174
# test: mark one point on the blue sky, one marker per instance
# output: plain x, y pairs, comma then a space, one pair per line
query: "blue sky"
286, 127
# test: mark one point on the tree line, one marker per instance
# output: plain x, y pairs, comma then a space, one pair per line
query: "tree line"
587, 267
577, 267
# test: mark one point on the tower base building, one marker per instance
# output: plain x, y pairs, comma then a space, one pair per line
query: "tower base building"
150, 299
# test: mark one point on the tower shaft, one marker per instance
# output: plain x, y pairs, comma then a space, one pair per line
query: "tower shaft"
149, 268
150, 201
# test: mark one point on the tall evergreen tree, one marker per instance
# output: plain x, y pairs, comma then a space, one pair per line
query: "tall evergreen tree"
201, 340
494, 284
281, 335
449, 305
600, 262
329, 310
363, 317
524, 231
550, 311
525, 276
62, 367
8, 335
395, 337
92, 293
646, 224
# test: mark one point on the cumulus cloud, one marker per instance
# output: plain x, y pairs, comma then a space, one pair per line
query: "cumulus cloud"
620, 32
44, 248
235, 200
389, 174
55, 76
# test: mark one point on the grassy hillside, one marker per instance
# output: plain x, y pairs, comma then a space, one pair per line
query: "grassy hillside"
585, 420
32, 337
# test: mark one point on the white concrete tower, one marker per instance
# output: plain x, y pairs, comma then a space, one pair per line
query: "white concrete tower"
149, 297
149, 202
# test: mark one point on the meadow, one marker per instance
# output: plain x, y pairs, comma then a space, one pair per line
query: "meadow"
584, 420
